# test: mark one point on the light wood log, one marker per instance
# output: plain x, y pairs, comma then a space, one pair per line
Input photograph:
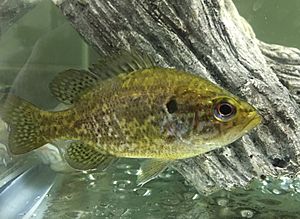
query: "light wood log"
209, 38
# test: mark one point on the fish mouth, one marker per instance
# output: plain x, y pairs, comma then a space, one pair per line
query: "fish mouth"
254, 120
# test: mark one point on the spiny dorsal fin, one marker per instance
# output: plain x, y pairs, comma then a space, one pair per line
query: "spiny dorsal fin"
68, 85
123, 62
151, 168
84, 157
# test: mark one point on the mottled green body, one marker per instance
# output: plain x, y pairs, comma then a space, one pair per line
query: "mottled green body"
127, 107
126, 116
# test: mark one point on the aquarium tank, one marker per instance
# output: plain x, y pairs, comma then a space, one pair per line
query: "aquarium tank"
37, 42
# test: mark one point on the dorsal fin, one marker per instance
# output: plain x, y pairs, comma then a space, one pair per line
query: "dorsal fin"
68, 85
123, 62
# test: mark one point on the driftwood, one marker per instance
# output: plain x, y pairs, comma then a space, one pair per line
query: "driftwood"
209, 38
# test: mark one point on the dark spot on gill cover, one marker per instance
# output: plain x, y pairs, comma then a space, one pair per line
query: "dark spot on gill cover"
172, 106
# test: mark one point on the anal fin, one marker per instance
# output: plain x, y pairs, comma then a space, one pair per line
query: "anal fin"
84, 157
151, 168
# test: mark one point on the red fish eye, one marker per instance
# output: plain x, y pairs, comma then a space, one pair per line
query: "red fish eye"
224, 110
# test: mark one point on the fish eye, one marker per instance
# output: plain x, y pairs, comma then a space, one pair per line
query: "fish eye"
224, 110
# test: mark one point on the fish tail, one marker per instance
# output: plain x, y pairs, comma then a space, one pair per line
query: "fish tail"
25, 125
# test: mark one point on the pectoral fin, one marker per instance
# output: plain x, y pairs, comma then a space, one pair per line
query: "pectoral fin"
84, 157
150, 169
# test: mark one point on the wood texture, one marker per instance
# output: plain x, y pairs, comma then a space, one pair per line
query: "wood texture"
209, 38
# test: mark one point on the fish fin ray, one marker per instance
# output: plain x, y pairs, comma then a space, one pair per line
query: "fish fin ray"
69, 84
84, 157
23, 120
151, 169
123, 62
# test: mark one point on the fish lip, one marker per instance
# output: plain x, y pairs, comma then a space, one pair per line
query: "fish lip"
255, 120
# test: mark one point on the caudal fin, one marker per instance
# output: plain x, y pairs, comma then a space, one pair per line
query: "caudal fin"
24, 122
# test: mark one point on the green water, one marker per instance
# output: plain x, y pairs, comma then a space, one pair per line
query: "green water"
37, 47
273, 21
42, 43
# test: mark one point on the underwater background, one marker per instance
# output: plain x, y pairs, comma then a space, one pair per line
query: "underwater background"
42, 43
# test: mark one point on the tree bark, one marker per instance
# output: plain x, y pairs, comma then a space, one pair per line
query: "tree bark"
209, 38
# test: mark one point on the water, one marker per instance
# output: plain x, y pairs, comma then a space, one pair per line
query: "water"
275, 22
114, 194
34, 50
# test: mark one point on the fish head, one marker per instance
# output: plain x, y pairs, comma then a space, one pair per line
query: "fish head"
220, 121
208, 117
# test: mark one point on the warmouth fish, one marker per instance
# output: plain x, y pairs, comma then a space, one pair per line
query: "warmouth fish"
126, 106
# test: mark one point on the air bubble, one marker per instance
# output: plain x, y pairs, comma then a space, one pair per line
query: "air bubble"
134, 172
196, 196
91, 177
222, 201
91, 185
122, 185
276, 191
166, 175
170, 202
123, 166
247, 213
142, 191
